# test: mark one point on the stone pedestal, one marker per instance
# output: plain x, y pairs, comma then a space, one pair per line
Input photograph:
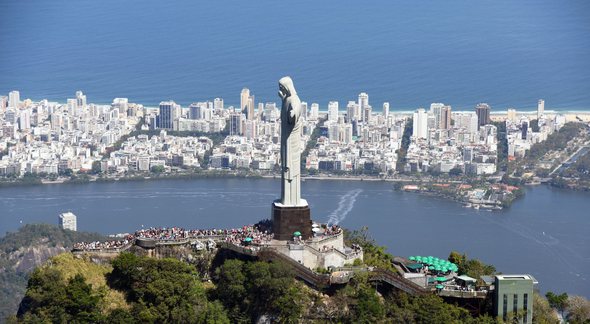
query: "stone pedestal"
287, 220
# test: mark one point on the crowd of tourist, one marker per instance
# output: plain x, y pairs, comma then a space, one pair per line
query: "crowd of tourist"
107, 245
249, 235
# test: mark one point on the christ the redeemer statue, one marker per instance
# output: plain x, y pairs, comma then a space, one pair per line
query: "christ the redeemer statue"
290, 144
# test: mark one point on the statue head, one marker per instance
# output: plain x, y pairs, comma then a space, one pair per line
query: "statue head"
286, 87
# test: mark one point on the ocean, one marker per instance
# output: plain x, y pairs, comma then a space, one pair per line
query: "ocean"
507, 53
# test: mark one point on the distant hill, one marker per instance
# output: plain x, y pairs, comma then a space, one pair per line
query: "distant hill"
26, 249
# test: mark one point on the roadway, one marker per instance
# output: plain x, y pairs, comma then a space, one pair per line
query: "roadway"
572, 158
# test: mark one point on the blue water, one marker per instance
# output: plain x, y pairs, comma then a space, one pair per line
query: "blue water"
544, 234
411, 53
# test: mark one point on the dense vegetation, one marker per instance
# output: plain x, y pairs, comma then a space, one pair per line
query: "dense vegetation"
502, 146
555, 142
170, 291
373, 254
471, 267
18, 248
401, 154
580, 169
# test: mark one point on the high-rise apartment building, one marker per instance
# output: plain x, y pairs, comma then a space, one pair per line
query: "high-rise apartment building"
333, 111
244, 97
445, 117
122, 104
363, 101
434, 111
483, 114
236, 123
385, 110
353, 111
218, 103
3, 103
247, 104
304, 110
169, 112
314, 112
14, 99
24, 119
540, 108
420, 124
81, 100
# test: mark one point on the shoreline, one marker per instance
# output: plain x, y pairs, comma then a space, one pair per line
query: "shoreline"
583, 113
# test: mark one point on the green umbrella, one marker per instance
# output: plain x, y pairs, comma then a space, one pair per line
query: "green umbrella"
444, 269
437, 268
297, 233
248, 239
441, 279
439, 286
412, 258
415, 266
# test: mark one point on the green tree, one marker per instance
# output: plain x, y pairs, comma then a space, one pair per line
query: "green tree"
369, 308
214, 313
231, 289
157, 169
81, 302
165, 290
45, 297
119, 316
543, 313
49, 298
373, 254
96, 169
558, 302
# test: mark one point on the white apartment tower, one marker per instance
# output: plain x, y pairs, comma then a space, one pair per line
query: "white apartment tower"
314, 112
218, 103
80, 99
363, 103
386, 110
420, 124
13, 99
353, 111
333, 111
68, 221
540, 108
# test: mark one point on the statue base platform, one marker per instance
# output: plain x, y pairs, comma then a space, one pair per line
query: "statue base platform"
287, 220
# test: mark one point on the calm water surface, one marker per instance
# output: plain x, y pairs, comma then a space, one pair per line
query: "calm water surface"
545, 233
411, 53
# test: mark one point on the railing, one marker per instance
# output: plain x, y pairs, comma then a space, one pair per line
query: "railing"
396, 281
118, 249
462, 293
305, 274
309, 276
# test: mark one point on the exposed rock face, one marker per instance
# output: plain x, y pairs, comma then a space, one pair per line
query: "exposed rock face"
21, 252
28, 258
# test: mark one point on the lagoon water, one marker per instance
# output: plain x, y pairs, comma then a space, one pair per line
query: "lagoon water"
508, 53
544, 234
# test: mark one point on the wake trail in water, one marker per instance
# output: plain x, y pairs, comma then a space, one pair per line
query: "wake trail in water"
344, 207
